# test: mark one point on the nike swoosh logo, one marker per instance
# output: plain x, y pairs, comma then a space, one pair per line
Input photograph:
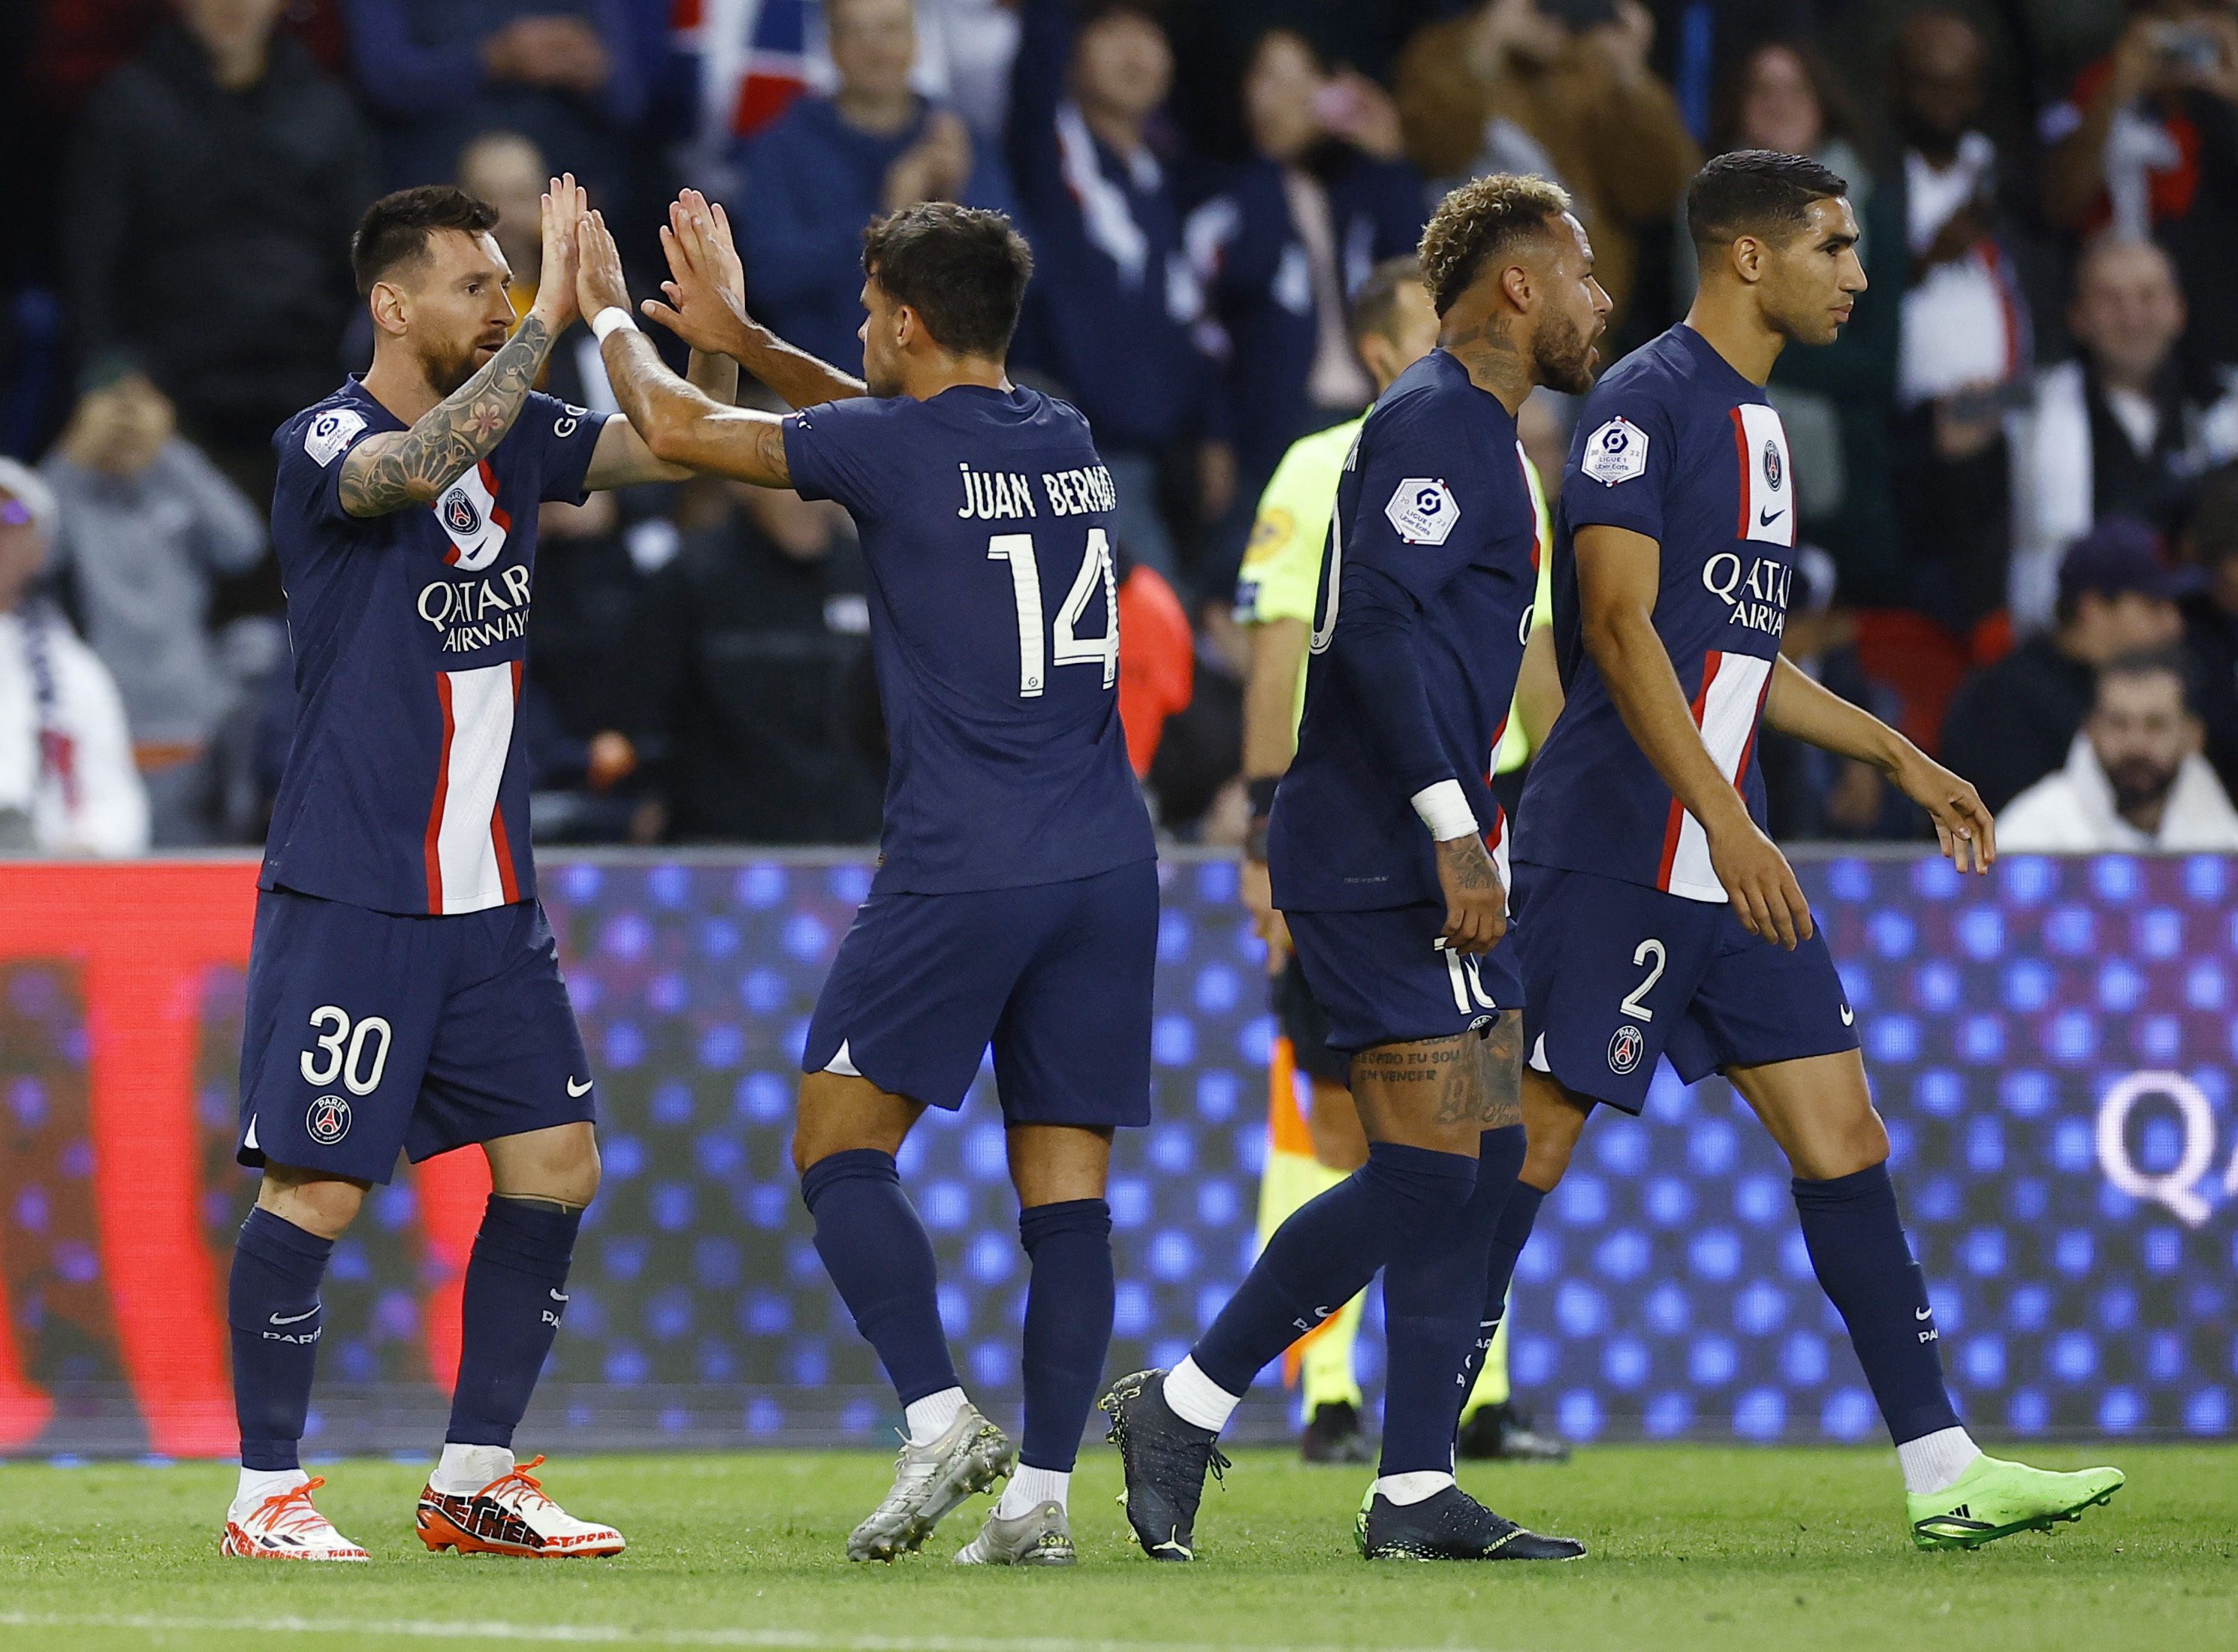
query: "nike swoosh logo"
294, 1319
1849, 1016
578, 1090
559, 1296
1922, 1313
1765, 518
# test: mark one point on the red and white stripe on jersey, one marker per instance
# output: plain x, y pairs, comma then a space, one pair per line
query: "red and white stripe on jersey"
470, 867
476, 522
1727, 710
1767, 479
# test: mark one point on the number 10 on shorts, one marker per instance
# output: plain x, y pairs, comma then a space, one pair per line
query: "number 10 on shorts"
355, 1054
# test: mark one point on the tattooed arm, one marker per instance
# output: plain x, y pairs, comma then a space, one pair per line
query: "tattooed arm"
680, 423
400, 468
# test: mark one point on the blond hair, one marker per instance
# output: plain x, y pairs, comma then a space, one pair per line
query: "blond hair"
1479, 219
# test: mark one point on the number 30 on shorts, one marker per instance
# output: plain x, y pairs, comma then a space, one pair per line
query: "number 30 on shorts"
355, 1054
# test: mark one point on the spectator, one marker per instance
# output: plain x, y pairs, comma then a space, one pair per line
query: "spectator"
437, 73
829, 165
67, 782
212, 189
1114, 303
750, 632
1280, 251
1838, 403
1510, 87
507, 170
2146, 145
2133, 778
2120, 431
2010, 723
2210, 617
146, 526
1966, 351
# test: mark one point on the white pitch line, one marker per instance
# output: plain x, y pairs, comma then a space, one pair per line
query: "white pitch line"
618, 1634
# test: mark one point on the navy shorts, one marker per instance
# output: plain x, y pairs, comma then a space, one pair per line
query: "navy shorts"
368, 1034
1306, 1024
1617, 973
1055, 976
1384, 977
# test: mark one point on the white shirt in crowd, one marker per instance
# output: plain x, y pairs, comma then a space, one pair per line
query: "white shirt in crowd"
1961, 322
77, 791
2071, 811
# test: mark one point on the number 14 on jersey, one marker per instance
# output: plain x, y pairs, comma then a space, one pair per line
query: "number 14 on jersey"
1035, 652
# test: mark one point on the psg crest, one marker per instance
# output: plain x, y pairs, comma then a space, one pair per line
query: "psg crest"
1772, 466
461, 516
328, 1120
1625, 1048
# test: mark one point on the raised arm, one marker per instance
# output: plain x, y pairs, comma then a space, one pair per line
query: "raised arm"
401, 468
1799, 704
1620, 573
680, 424
622, 458
709, 313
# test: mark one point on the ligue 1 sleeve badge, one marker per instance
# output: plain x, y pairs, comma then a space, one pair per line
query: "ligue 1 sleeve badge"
328, 1120
1616, 453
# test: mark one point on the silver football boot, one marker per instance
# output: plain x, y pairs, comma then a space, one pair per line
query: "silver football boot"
1041, 1536
969, 1457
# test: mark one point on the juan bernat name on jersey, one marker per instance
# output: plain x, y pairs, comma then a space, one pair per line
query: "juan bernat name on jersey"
1005, 496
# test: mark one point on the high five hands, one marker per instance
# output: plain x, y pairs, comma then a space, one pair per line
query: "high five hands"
706, 287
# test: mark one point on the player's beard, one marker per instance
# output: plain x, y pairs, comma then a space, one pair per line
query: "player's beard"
1564, 356
450, 368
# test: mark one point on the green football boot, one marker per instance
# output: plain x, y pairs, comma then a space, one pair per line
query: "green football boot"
1995, 1499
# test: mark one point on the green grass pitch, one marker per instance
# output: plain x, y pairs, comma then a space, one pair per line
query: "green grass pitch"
1726, 1548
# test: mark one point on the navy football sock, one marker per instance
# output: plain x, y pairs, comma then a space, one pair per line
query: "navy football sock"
1857, 1249
1068, 1325
272, 1304
1432, 1296
516, 1292
1509, 1235
1328, 1251
878, 1255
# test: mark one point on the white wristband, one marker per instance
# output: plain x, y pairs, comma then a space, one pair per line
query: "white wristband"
612, 319
1445, 810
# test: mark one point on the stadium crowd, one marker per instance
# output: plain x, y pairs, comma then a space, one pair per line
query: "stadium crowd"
2018, 469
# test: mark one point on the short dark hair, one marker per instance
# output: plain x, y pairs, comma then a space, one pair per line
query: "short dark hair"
395, 230
1482, 218
1375, 304
1757, 191
963, 269
2152, 662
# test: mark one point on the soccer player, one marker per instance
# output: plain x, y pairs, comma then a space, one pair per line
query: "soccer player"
1392, 327
1382, 847
1654, 915
1017, 897
404, 991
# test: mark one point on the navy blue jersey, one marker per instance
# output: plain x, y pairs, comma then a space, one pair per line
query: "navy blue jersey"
1434, 530
986, 521
1676, 445
405, 791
